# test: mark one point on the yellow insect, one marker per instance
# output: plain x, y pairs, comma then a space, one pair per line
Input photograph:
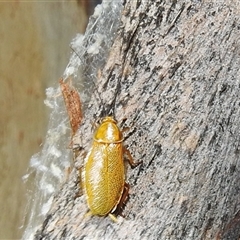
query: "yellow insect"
103, 175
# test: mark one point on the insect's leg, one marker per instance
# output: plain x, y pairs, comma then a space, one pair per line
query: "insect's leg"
122, 202
67, 172
87, 214
77, 150
95, 124
124, 199
130, 158
113, 217
80, 183
125, 129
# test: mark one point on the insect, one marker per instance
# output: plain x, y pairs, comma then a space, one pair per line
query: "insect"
103, 175
73, 104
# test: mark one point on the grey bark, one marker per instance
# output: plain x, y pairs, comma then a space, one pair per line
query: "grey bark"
174, 69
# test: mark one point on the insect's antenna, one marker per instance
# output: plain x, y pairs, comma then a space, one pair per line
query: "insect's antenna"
113, 104
97, 95
95, 87
112, 107
75, 52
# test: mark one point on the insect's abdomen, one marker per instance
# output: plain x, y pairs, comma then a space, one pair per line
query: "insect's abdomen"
104, 177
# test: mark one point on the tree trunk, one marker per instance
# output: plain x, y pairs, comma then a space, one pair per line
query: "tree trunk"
174, 70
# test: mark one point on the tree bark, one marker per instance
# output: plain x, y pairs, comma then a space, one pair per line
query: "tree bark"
174, 71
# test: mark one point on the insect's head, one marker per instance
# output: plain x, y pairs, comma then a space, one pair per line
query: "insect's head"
109, 119
108, 131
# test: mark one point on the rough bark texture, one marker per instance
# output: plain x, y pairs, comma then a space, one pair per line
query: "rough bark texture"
175, 69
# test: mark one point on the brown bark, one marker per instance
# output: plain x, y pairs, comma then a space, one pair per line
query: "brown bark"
174, 70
